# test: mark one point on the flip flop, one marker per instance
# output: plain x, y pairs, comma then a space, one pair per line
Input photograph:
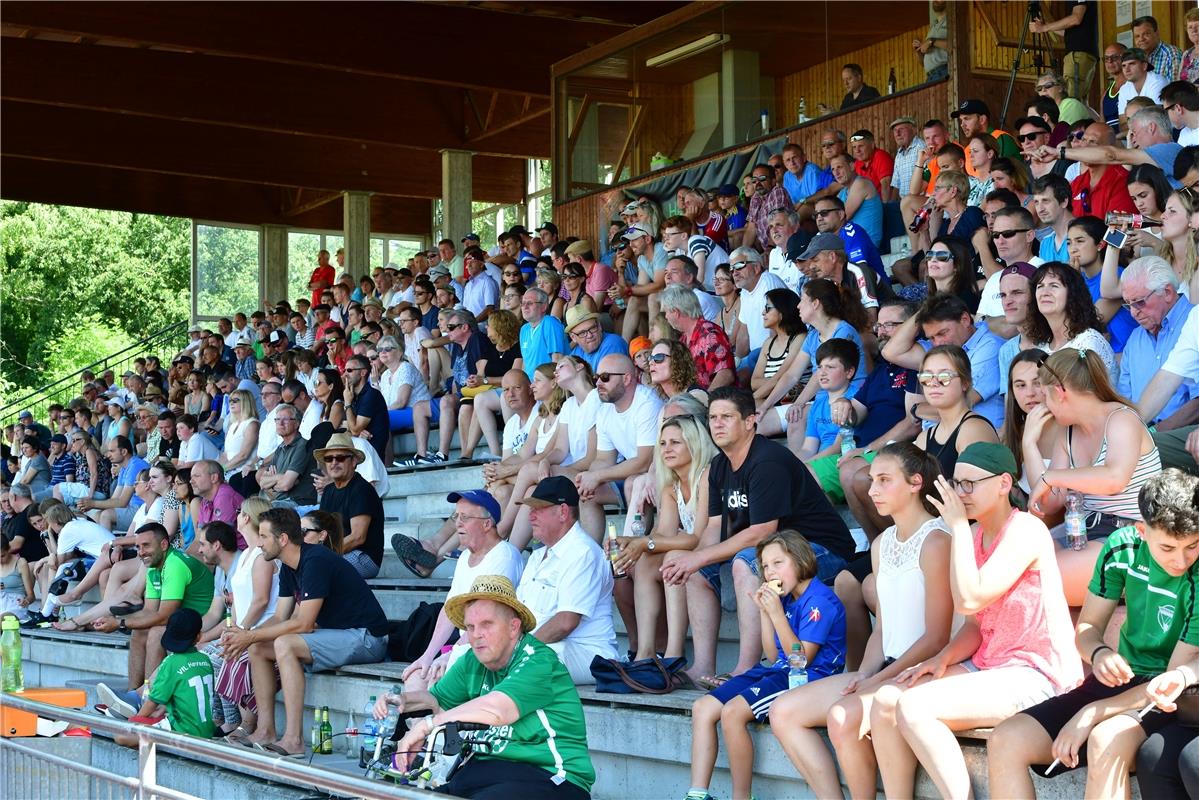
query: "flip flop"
711, 682
416, 558
125, 609
237, 736
275, 749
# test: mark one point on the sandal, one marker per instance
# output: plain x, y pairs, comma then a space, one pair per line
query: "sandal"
238, 735
67, 626
276, 750
711, 682
416, 558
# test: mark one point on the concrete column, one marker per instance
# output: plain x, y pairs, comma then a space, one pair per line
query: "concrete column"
741, 96
356, 213
273, 275
457, 190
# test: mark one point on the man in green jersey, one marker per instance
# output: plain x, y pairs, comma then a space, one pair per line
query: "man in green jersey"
174, 580
516, 684
1152, 566
184, 685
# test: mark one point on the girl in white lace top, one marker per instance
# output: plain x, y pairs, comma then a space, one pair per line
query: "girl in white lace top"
914, 617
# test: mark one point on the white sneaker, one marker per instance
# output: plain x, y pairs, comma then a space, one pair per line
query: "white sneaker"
114, 701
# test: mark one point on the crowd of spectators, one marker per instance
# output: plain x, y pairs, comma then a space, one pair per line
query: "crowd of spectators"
726, 369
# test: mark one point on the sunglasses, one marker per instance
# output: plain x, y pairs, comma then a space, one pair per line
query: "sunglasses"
825, 212
312, 530
453, 326
940, 255
1008, 234
336, 459
604, 377
936, 378
658, 358
1028, 137
759, 179
740, 265
387, 349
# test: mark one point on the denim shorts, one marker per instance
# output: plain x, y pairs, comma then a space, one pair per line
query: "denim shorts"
828, 565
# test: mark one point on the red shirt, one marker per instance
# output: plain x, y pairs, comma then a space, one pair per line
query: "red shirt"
1109, 194
326, 276
709, 346
717, 229
878, 169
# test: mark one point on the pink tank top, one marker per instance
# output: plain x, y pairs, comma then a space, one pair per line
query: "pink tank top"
1030, 624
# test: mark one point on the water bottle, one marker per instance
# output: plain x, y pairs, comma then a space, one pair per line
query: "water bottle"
637, 526
614, 551
10, 656
797, 670
351, 734
765, 121
1076, 521
388, 727
314, 735
370, 726
847, 442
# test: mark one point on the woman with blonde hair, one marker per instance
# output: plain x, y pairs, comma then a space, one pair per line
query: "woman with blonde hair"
241, 432
1179, 248
550, 282
681, 458
1104, 453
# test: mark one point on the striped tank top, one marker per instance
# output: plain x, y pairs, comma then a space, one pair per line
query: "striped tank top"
1124, 503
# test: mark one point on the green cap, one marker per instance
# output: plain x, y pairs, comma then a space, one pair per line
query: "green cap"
990, 456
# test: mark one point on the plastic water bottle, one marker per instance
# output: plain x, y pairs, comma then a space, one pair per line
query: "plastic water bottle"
847, 442
1076, 521
370, 726
387, 728
10, 656
637, 526
797, 671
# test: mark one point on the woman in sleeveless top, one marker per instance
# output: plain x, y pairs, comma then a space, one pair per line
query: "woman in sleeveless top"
1106, 454
574, 279
197, 401
241, 433
773, 381
946, 380
681, 459
16, 582
915, 613
1014, 649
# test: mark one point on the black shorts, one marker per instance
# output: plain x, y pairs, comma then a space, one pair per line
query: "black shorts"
1054, 713
860, 566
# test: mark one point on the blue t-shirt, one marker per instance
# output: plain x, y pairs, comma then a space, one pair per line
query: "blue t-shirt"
813, 180
128, 477
844, 331
820, 421
1121, 326
536, 344
429, 319
611, 343
738, 218
1052, 251
861, 250
817, 616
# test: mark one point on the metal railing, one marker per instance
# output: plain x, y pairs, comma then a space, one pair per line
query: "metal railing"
164, 343
237, 759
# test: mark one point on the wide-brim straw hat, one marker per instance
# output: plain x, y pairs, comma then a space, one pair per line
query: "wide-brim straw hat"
489, 587
339, 441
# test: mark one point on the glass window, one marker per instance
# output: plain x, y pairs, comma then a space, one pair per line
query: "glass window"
226, 269
302, 249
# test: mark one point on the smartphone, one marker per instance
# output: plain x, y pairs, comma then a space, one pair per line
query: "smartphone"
1115, 238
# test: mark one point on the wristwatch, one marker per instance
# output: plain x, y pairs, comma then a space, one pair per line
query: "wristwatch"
122, 627
649, 543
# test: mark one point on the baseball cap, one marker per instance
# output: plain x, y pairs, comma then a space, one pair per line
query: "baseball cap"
548, 226
26, 414
438, 272
1019, 268
470, 237
991, 456
821, 242
1036, 121
798, 242
182, 628
278, 337
971, 107
630, 209
727, 190
479, 497
518, 230
553, 491
636, 231
1135, 54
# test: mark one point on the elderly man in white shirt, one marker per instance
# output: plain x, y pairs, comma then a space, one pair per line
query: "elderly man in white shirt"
568, 583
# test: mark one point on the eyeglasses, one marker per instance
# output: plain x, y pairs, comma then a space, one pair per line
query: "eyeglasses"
828, 144
1139, 304
966, 486
943, 378
825, 212
658, 358
288, 420
355, 369
997, 235
1028, 137
886, 326
455, 517
593, 330
453, 326
767, 307
337, 459
1042, 87
604, 377
940, 255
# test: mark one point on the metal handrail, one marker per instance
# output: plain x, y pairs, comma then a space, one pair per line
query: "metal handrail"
230, 757
40, 396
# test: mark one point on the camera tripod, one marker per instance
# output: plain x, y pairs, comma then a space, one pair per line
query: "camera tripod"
1040, 48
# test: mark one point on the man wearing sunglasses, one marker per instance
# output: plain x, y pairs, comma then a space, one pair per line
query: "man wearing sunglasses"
768, 195
1034, 133
348, 494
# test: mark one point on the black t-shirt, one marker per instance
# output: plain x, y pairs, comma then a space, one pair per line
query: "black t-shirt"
771, 485
323, 574
1085, 37
33, 548
168, 448
370, 403
867, 94
357, 499
500, 363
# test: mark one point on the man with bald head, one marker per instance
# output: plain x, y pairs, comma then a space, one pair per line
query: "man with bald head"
626, 429
1100, 187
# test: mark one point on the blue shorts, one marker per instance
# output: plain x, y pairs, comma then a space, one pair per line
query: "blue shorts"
828, 565
401, 418
711, 572
759, 687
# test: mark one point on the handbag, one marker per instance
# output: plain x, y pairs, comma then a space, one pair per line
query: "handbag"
646, 675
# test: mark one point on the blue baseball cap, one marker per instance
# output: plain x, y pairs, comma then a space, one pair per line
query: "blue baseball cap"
479, 497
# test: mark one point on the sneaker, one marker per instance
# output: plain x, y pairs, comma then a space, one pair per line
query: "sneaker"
412, 461
435, 458
39, 620
115, 702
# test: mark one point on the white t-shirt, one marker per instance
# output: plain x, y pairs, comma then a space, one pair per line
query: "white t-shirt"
198, 448
636, 427
1152, 89
268, 436
503, 559
516, 432
709, 304
412, 348
1188, 136
990, 305
391, 381
312, 418
784, 270
579, 420
752, 304
83, 535
714, 255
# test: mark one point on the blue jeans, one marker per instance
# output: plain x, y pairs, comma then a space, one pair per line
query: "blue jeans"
828, 565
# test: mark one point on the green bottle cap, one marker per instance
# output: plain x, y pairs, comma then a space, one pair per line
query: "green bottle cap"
10, 624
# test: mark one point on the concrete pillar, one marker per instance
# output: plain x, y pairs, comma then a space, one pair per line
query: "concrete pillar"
741, 97
356, 213
273, 275
457, 190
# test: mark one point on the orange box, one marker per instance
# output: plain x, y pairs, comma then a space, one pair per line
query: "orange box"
14, 722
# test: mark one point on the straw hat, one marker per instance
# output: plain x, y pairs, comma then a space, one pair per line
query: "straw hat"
338, 442
489, 587
577, 315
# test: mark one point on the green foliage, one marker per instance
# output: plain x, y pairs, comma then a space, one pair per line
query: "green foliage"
227, 280
69, 275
